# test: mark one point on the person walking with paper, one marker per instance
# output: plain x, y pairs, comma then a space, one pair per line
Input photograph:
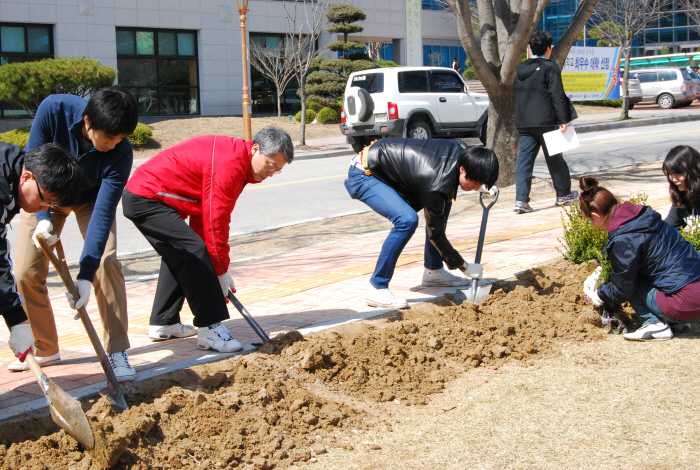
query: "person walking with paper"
541, 106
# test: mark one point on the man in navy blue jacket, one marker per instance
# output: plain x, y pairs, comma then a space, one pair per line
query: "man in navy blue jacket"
33, 181
95, 132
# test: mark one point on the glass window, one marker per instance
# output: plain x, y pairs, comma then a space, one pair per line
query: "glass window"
38, 39
185, 44
447, 82
145, 43
681, 35
666, 20
372, 82
667, 75
413, 82
12, 38
666, 35
652, 36
126, 43
167, 44
647, 77
693, 34
150, 65
681, 19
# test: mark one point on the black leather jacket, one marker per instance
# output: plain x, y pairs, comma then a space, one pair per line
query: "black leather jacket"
425, 174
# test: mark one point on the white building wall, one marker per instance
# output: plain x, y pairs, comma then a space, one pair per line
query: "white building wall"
87, 28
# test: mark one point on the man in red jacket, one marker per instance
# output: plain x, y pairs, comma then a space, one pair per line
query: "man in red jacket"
200, 178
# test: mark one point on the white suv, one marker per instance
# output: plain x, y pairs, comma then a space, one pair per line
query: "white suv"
416, 102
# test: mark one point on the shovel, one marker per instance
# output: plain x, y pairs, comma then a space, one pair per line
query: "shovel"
251, 321
476, 293
113, 392
65, 410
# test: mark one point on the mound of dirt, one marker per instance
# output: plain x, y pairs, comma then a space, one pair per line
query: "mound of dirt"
284, 403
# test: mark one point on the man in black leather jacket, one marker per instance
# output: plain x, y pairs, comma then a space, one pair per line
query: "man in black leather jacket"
541, 106
397, 178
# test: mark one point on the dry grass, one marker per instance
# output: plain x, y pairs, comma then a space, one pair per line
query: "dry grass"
171, 132
582, 109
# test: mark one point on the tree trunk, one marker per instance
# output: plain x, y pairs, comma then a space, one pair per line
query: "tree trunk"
502, 136
279, 103
302, 95
625, 86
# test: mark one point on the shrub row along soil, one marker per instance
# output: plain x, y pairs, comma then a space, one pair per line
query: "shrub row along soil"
292, 399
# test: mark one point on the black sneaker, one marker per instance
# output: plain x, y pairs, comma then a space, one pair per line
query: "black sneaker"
572, 198
521, 207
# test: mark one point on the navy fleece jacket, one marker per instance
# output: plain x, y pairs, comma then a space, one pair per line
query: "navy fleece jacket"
60, 119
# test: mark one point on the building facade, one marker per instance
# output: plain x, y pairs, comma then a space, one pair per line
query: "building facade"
183, 57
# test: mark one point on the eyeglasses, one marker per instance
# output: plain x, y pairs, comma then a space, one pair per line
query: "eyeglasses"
271, 166
43, 201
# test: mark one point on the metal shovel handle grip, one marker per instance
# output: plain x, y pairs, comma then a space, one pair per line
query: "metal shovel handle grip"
484, 219
251, 321
59, 263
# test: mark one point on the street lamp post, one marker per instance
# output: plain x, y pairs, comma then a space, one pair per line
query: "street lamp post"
243, 10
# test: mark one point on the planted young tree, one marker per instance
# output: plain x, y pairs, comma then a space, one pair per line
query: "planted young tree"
28, 83
620, 22
504, 28
276, 65
374, 49
327, 84
305, 23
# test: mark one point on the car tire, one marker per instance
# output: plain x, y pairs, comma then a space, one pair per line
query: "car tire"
366, 105
358, 145
419, 130
666, 101
484, 131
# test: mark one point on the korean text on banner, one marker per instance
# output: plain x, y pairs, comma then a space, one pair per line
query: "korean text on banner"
592, 73
414, 46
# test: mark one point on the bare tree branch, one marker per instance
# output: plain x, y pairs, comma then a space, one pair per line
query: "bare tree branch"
583, 13
275, 64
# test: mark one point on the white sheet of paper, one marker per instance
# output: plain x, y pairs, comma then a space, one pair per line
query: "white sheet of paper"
557, 142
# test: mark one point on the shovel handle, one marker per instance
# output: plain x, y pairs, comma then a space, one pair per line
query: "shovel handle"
484, 219
37, 373
59, 262
251, 321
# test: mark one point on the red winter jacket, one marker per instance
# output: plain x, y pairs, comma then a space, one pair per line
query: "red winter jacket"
200, 178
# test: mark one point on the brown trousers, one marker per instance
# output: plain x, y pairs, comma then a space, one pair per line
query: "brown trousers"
31, 270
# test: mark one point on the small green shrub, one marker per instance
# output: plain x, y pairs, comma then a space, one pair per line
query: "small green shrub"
608, 103
692, 232
327, 115
310, 116
18, 137
142, 135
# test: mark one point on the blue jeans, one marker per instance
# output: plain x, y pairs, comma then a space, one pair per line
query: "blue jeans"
643, 302
385, 201
530, 142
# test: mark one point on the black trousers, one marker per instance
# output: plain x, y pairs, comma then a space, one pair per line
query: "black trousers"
186, 270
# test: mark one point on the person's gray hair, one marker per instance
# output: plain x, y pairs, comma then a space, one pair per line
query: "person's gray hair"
272, 139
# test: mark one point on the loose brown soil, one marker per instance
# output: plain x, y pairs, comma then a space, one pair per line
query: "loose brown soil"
300, 396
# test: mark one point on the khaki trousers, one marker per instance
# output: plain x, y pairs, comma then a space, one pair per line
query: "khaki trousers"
31, 270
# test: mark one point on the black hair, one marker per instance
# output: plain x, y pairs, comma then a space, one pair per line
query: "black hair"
113, 111
683, 160
480, 164
540, 41
56, 171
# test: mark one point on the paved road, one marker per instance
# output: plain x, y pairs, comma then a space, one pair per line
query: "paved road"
313, 189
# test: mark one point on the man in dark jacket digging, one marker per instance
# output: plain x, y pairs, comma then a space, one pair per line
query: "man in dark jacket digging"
45, 177
396, 178
541, 106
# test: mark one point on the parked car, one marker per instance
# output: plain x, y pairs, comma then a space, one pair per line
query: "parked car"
634, 87
696, 78
668, 86
416, 102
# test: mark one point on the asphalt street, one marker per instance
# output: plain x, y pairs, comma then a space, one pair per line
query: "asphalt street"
310, 190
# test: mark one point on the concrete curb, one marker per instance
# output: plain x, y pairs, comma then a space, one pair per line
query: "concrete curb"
606, 126
323, 154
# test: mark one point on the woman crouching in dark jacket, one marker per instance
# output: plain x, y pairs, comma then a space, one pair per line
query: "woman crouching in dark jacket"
653, 267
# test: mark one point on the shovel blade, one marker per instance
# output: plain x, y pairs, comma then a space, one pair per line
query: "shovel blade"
116, 398
467, 295
69, 415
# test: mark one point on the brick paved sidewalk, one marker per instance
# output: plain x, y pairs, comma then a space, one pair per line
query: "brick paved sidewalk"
322, 285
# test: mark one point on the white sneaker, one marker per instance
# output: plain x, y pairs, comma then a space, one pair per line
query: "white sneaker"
384, 298
651, 332
163, 332
120, 364
17, 366
217, 337
442, 278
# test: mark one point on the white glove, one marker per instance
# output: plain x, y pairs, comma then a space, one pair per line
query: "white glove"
491, 192
84, 287
226, 283
592, 282
45, 227
473, 270
21, 340
593, 296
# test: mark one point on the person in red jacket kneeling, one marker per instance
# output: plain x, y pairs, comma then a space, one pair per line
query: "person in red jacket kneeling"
200, 178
